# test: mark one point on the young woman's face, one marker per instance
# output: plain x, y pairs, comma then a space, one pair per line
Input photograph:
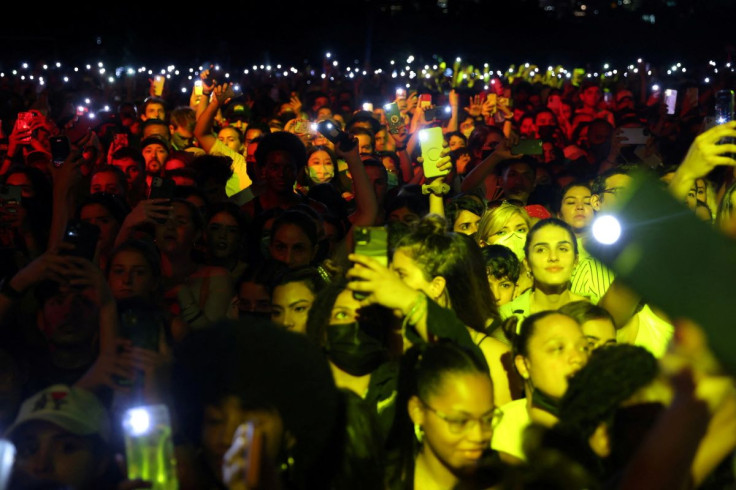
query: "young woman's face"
599, 332
576, 209
410, 272
178, 233
131, 276
100, 216
345, 309
515, 224
223, 234
292, 246
320, 166
557, 350
290, 305
253, 298
457, 420
551, 256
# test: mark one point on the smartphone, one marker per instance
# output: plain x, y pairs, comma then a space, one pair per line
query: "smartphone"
23, 123
724, 106
430, 141
393, 117
198, 87
425, 101
211, 67
401, 93
162, 188
149, 447
438, 113
83, 236
528, 147
635, 136
158, 85
139, 324
660, 243
670, 100
331, 131
367, 106
60, 149
253, 454
373, 242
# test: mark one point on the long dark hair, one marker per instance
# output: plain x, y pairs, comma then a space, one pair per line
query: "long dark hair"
458, 259
422, 372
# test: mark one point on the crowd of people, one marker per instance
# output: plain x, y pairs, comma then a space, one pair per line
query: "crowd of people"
274, 267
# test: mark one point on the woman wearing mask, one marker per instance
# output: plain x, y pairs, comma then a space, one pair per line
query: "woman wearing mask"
549, 348
551, 252
448, 269
507, 225
356, 342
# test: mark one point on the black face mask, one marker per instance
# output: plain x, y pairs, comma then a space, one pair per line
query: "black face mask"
351, 349
546, 402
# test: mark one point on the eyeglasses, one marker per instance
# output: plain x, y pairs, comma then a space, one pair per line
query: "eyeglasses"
614, 190
462, 424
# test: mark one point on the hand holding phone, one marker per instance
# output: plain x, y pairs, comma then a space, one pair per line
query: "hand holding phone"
393, 117
83, 236
158, 85
24, 126
338, 137
371, 241
60, 150
431, 142
243, 460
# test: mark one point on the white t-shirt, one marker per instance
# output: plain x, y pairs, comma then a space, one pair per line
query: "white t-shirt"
508, 436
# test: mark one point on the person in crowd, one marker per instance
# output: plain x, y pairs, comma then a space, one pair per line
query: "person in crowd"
503, 269
292, 295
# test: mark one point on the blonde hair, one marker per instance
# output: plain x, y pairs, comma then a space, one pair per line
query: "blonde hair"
493, 220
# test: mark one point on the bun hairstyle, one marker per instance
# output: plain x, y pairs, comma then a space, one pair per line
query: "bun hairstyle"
457, 259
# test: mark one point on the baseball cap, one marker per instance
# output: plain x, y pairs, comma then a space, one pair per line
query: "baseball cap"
73, 409
155, 140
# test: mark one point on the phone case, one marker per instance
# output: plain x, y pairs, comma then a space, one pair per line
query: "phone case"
60, 149
371, 241
393, 117
528, 147
83, 236
162, 188
663, 246
431, 140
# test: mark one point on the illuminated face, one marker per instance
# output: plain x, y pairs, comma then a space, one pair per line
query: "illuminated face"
466, 222
51, 457
515, 224
380, 140
101, 217
551, 256
527, 128
154, 110
251, 134
345, 310
410, 272
502, 289
320, 167
324, 113
223, 234
290, 305
457, 420
155, 156
599, 332
365, 145
545, 119
292, 246
467, 127
611, 195
106, 182
556, 350
576, 209
231, 138
131, 276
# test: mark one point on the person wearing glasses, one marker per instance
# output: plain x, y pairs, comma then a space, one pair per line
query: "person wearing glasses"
549, 348
445, 417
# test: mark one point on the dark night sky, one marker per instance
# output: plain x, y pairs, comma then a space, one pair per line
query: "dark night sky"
290, 32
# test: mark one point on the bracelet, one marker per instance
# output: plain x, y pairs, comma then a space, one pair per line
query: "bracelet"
8, 291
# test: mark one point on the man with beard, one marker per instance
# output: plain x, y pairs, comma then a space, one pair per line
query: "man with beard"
155, 151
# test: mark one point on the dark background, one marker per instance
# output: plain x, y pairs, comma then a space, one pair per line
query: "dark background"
242, 33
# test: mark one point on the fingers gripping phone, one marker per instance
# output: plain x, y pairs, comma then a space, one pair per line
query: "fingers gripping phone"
331, 131
23, 123
431, 140
371, 241
83, 236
